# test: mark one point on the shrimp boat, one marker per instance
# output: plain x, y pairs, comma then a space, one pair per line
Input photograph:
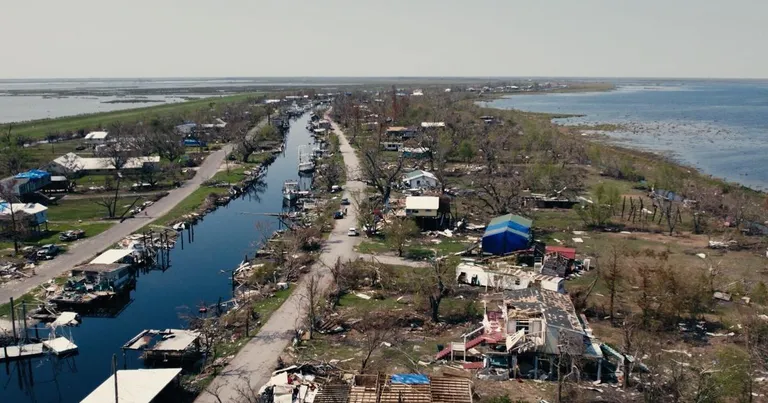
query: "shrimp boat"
306, 163
291, 190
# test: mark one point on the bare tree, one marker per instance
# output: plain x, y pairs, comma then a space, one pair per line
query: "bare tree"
313, 299
117, 153
377, 171
613, 276
435, 283
398, 232
375, 332
13, 155
501, 192
17, 227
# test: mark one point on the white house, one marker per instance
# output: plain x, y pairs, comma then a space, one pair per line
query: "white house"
419, 179
505, 277
422, 206
36, 212
95, 138
73, 163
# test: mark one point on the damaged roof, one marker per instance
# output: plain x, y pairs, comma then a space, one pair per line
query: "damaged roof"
556, 308
409, 388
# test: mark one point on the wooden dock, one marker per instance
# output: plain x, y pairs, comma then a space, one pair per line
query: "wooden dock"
58, 346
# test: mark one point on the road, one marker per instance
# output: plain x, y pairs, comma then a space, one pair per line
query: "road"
86, 249
394, 260
252, 367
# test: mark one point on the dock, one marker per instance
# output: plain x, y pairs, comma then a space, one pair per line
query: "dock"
59, 346
133, 386
164, 345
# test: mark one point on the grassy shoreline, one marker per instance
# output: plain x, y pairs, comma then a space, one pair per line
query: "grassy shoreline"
39, 129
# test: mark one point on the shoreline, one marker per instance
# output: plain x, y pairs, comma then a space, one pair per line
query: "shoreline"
598, 132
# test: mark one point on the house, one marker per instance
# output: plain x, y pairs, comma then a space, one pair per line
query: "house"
113, 275
528, 329
432, 125
96, 138
186, 128
401, 132
29, 182
501, 276
391, 146
506, 234
382, 388
415, 152
422, 206
72, 163
35, 213
419, 179
220, 124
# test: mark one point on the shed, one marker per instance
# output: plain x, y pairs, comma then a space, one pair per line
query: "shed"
134, 385
507, 233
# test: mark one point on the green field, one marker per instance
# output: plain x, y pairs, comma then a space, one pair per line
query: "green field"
38, 129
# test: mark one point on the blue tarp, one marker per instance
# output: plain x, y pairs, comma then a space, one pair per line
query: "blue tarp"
33, 174
507, 233
410, 379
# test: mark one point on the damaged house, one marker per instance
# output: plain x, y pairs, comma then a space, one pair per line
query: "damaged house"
525, 333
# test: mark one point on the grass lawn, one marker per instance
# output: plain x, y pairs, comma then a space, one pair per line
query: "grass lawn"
38, 129
85, 209
54, 229
372, 247
189, 205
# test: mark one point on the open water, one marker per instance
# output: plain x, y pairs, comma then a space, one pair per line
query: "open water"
198, 274
719, 127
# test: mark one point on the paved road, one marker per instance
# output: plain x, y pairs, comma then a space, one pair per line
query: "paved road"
252, 367
86, 249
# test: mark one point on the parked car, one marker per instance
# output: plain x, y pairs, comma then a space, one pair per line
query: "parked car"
353, 232
71, 235
47, 251
345, 202
337, 215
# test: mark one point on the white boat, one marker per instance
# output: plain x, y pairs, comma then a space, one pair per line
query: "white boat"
306, 163
291, 190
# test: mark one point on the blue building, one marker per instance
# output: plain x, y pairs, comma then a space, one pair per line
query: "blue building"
506, 234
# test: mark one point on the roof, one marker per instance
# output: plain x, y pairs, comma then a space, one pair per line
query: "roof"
508, 270
33, 174
163, 340
418, 174
111, 256
399, 129
93, 164
422, 203
403, 388
100, 135
507, 233
556, 308
100, 268
432, 124
568, 253
27, 208
133, 385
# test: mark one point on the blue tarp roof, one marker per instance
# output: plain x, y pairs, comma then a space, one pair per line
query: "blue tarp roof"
410, 379
507, 233
33, 174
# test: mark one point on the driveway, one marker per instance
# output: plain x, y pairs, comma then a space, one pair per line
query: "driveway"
253, 365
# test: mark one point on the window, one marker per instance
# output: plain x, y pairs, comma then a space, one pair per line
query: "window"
522, 325
517, 280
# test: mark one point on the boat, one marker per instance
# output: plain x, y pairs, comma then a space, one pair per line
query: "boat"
306, 162
291, 190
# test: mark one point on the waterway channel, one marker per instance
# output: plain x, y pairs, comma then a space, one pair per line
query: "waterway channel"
199, 273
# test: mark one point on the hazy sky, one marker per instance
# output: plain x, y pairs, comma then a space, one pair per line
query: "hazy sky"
187, 38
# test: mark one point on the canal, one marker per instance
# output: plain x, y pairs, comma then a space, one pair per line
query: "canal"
198, 274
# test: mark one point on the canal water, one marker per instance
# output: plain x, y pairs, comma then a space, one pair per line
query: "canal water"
198, 274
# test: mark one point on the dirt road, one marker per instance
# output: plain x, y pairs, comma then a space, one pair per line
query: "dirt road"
253, 365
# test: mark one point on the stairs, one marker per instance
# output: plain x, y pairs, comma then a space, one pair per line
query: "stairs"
493, 338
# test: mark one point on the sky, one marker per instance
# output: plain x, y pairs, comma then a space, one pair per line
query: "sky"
350, 38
